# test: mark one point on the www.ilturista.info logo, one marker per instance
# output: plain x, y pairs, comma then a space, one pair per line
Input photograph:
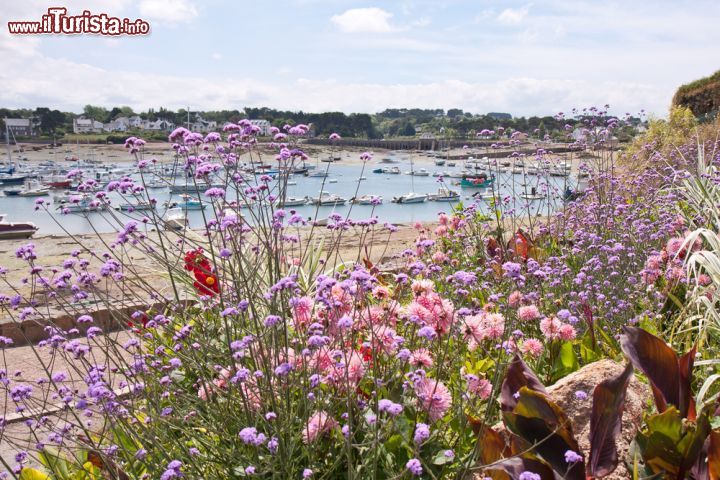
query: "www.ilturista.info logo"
57, 21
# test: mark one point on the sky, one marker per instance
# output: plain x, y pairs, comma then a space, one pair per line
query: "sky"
524, 58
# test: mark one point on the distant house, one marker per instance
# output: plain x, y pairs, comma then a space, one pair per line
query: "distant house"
263, 125
202, 125
159, 125
135, 122
19, 127
87, 125
120, 124
427, 136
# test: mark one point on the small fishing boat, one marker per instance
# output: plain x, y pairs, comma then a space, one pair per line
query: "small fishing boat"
192, 188
135, 207
332, 180
533, 195
329, 200
484, 195
421, 173
155, 184
33, 188
368, 200
9, 179
15, 230
391, 170
12, 192
477, 181
58, 182
187, 203
439, 163
445, 195
450, 164
292, 202
378, 170
317, 174
175, 219
81, 204
411, 197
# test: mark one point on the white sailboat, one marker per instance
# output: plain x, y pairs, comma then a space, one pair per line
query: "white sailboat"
411, 197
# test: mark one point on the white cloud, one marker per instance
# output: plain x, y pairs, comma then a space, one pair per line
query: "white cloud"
363, 20
41, 81
484, 15
168, 11
513, 16
217, 56
421, 22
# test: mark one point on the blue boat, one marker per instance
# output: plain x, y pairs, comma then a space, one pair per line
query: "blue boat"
477, 181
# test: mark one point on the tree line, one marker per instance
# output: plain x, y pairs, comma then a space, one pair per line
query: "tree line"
390, 123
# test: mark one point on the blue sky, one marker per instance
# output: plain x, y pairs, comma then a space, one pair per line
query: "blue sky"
525, 58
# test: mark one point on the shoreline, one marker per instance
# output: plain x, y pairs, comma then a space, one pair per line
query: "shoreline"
26, 153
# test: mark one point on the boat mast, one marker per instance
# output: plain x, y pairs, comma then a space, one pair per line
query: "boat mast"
412, 174
7, 142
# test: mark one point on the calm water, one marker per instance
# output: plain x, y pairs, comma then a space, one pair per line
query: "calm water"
347, 185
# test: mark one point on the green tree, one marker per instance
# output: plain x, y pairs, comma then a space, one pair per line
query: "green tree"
408, 130
96, 113
50, 120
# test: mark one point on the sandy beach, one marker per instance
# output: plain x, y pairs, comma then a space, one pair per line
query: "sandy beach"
162, 151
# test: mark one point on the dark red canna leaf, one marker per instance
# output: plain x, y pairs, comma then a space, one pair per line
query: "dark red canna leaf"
518, 375
687, 402
605, 423
713, 456
657, 361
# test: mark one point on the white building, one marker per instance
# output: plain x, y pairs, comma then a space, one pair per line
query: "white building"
202, 125
87, 125
135, 122
263, 125
159, 125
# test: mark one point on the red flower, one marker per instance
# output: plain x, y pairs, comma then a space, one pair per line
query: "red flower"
206, 282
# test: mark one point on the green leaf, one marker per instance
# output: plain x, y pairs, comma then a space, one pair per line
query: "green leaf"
566, 362
55, 462
32, 474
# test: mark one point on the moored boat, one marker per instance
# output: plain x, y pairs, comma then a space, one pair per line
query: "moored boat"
292, 202
15, 230
135, 207
368, 200
329, 200
411, 197
477, 181
445, 195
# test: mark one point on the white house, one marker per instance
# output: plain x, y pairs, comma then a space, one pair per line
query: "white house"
120, 124
263, 125
135, 122
202, 125
87, 125
160, 125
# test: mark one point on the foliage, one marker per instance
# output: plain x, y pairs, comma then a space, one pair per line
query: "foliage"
268, 351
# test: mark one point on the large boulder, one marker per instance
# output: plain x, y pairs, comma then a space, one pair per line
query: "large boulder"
579, 411
578, 407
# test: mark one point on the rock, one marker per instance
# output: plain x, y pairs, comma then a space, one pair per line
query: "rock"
579, 411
